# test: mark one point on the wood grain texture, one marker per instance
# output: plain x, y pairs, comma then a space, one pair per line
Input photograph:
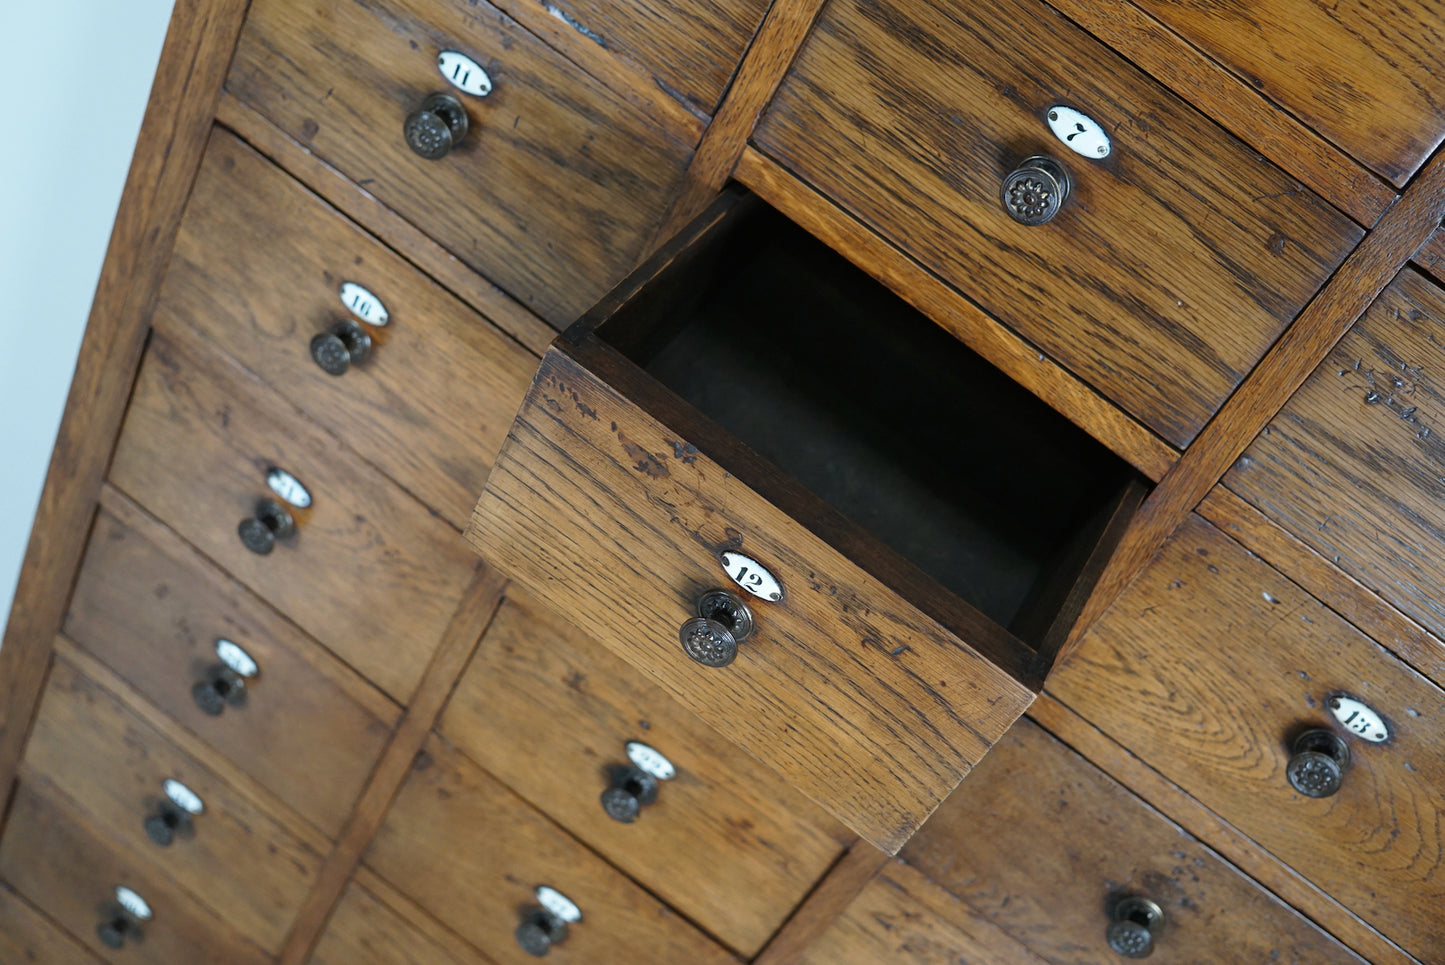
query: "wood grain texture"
1431, 255
1041, 844
258, 266
1173, 266
725, 139
1206, 669
463, 846
475, 611
113, 763
1367, 77
69, 869
172, 136
369, 572
1351, 466
553, 193
1325, 581
28, 936
1004, 349
365, 930
817, 913
855, 697
1369, 268
1234, 103
540, 690
401, 235
1234, 846
152, 609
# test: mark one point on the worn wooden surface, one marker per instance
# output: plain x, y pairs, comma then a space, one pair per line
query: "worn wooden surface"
553, 193
854, 696
172, 137
1003, 348
1172, 267
28, 936
816, 914
1431, 255
1234, 846
540, 690
113, 763
1206, 669
472, 853
1367, 77
257, 269
478, 605
1351, 465
69, 869
364, 930
369, 572
151, 608
1235, 103
1039, 843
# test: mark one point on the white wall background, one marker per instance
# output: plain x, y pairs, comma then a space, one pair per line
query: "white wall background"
74, 77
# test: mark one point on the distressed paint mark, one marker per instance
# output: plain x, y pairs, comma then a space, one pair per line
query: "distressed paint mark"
653, 466
685, 451
575, 24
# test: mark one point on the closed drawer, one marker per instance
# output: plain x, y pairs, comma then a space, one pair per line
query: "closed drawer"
259, 268
1353, 464
368, 571
553, 192
1175, 262
365, 930
1212, 665
899, 638
160, 616
210, 838
27, 936
461, 845
553, 715
1046, 849
71, 871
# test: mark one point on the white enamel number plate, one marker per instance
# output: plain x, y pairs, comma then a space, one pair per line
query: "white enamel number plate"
650, 760
1078, 132
363, 304
237, 659
558, 904
1359, 718
183, 797
752, 576
464, 73
288, 487
133, 903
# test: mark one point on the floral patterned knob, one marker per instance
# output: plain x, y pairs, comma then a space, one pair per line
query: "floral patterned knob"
1317, 763
437, 127
723, 621
1133, 925
1035, 191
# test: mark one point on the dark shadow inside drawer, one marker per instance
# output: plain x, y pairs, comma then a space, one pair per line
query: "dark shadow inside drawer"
869, 417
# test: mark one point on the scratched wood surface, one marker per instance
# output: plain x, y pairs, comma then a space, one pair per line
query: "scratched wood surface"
1352, 465
1171, 269
28, 936
257, 269
1209, 665
538, 689
553, 193
1040, 844
369, 572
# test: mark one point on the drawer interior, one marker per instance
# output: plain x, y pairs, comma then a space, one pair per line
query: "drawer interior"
881, 414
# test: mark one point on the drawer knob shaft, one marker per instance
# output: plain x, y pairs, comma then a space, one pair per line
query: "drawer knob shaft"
115, 929
632, 789
340, 347
1317, 764
437, 127
167, 821
1035, 191
222, 686
1135, 922
260, 531
539, 931
723, 621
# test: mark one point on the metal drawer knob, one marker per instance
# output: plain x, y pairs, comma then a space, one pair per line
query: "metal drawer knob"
539, 931
340, 347
121, 919
1317, 764
166, 822
437, 127
1035, 191
113, 931
1135, 922
723, 621
260, 531
221, 687
632, 789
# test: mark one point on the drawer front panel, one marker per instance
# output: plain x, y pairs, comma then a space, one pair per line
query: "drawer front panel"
1171, 268
550, 713
153, 612
856, 698
70, 872
472, 853
258, 268
26, 936
1353, 463
236, 858
1208, 668
363, 930
1041, 845
368, 572
552, 193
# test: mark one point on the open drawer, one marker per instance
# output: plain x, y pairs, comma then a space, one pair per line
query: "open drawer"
912, 533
